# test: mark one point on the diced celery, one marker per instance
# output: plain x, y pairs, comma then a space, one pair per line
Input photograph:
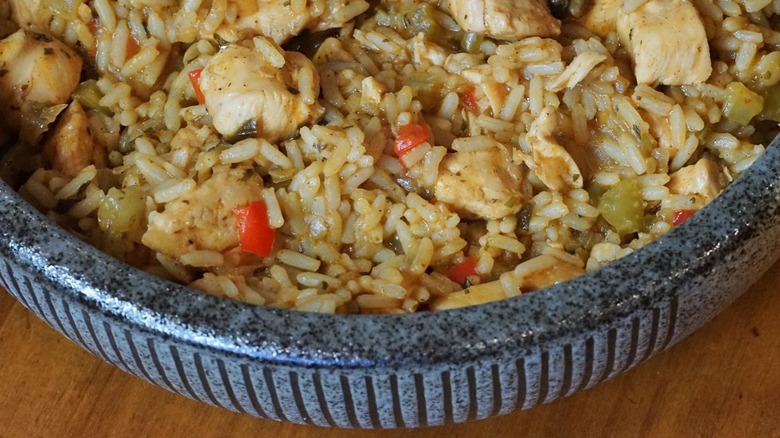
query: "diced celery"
622, 206
771, 109
741, 104
122, 210
471, 41
89, 95
424, 20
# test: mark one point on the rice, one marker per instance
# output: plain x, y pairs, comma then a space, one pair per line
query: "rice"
522, 150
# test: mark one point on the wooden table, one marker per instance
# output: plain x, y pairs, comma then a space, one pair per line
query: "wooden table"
723, 380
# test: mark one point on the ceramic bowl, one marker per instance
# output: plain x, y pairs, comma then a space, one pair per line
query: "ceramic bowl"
397, 371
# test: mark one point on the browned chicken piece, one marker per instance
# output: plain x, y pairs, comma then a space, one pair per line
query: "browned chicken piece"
35, 68
242, 87
601, 17
28, 15
702, 178
508, 20
667, 42
480, 184
71, 146
279, 21
550, 161
203, 219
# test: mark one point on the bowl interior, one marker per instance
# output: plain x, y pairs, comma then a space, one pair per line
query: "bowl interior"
748, 207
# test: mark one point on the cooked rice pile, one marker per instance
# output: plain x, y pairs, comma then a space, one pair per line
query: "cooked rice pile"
544, 159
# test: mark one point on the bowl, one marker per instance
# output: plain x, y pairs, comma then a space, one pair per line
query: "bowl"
388, 371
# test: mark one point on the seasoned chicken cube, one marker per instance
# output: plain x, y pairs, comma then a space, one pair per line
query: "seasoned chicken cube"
35, 68
272, 19
702, 178
508, 20
480, 184
279, 21
425, 50
601, 17
550, 161
372, 91
667, 41
244, 91
71, 146
28, 15
203, 218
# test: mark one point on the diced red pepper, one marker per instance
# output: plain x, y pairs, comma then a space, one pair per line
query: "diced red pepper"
410, 136
463, 270
94, 25
254, 231
469, 100
681, 216
132, 48
195, 79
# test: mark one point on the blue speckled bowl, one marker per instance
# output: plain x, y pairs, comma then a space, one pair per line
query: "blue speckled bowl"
397, 371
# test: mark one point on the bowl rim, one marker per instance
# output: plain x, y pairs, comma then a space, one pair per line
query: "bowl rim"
78, 271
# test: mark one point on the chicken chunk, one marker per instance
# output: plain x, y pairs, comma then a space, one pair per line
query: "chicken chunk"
508, 20
425, 50
550, 161
203, 219
601, 17
35, 68
28, 15
480, 184
667, 42
71, 146
278, 20
244, 90
576, 72
702, 178
373, 91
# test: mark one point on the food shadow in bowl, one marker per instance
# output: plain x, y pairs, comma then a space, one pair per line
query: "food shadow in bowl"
387, 371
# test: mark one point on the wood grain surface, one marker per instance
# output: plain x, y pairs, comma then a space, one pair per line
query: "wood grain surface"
724, 380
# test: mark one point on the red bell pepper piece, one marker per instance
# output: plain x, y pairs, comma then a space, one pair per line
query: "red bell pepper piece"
410, 136
254, 231
195, 79
681, 216
460, 272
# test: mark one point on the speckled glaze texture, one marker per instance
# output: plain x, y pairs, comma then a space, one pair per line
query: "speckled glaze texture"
397, 371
